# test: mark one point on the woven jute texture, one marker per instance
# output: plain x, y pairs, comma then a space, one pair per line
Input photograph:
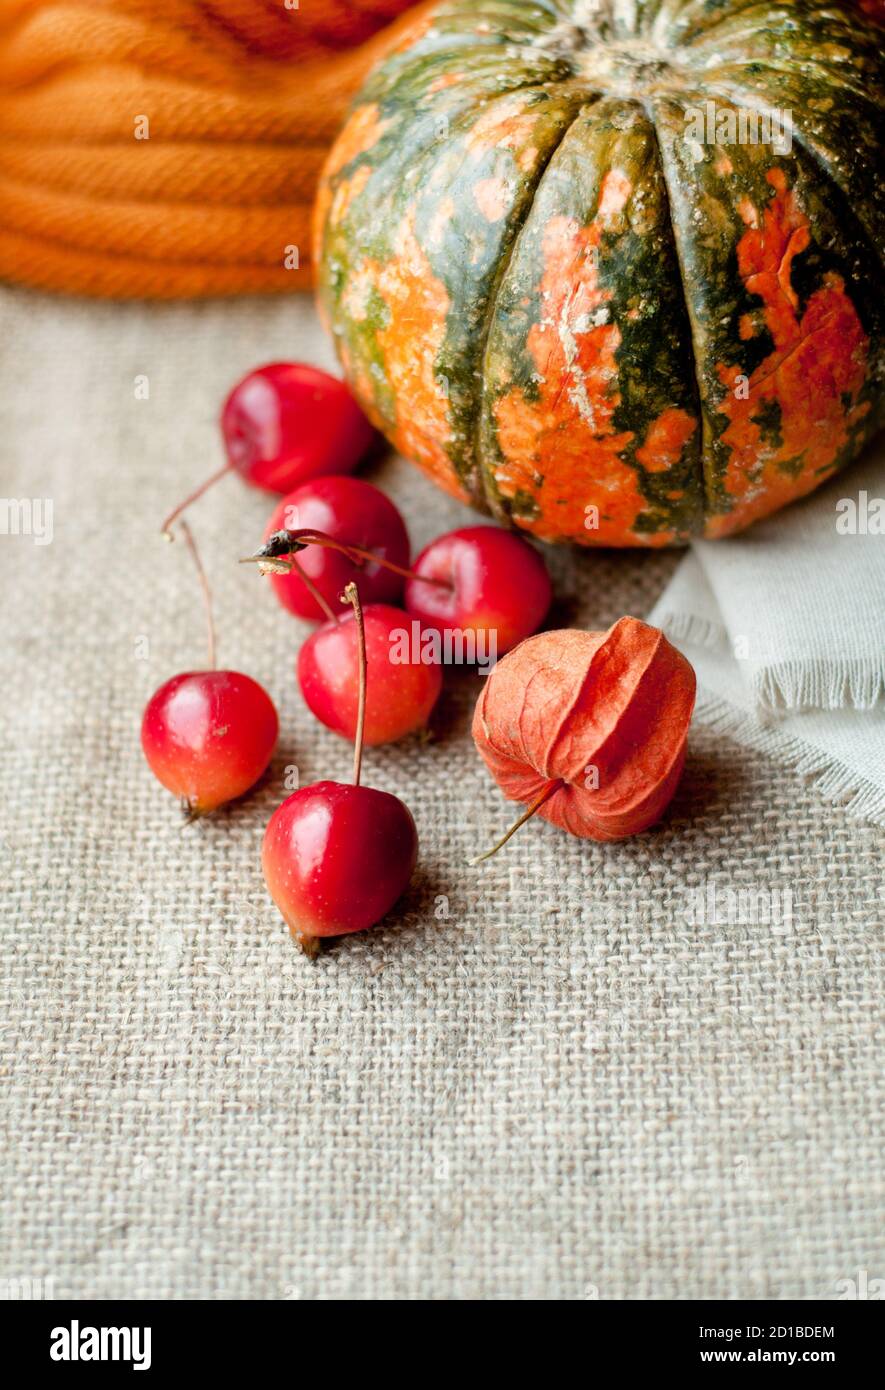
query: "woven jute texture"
554, 1077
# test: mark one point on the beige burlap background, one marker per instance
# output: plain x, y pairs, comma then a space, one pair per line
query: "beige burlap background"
540, 1079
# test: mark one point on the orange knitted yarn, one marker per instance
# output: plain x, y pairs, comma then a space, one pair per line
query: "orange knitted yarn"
239, 100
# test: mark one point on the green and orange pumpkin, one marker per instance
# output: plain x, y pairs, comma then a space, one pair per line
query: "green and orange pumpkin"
575, 306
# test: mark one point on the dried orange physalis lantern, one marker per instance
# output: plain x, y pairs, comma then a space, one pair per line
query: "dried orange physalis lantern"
588, 729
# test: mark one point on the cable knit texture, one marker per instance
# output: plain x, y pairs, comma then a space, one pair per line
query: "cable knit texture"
173, 151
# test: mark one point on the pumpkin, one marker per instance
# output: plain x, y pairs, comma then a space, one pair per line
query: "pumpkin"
612, 270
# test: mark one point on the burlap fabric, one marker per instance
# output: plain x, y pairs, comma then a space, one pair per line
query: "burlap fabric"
554, 1077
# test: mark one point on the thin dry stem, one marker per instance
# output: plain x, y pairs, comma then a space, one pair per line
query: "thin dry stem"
204, 585
313, 590
173, 516
351, 596
357, 554
526, 815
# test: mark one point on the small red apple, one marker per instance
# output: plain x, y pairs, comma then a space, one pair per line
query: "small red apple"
337, 857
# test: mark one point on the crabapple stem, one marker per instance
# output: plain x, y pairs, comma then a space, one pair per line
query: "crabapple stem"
173, 516
354, 553
204, 585
351, 596
526, 815
313, 590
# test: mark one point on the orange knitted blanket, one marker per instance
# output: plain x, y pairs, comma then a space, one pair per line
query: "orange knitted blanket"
172, 149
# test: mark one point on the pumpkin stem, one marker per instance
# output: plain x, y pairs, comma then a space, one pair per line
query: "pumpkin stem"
526, 815
173, 516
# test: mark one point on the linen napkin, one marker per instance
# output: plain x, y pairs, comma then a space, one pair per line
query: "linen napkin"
785, 626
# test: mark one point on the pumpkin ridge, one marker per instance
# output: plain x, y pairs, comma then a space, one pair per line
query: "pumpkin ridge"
738, 97
863, 232
788, 10
696, 375
696, 14
485, 496
789, 71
